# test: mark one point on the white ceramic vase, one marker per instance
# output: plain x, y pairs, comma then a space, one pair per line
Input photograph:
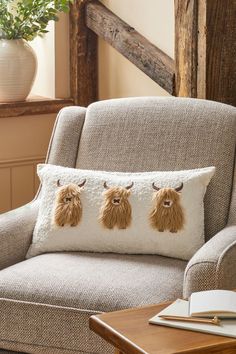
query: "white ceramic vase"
18, 65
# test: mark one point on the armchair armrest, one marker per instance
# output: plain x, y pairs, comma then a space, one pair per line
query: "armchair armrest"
214, 264
16, 228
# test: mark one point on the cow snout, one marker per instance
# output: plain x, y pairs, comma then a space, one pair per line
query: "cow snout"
167, 203
67, 199
116, 201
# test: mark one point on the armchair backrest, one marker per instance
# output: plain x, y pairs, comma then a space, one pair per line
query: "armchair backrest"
160, 134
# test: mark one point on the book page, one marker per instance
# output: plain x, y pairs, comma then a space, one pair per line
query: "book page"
181, 308
213, 301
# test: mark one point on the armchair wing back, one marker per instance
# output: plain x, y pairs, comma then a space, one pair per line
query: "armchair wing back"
164, 133
145, 134
133, 134
141, 134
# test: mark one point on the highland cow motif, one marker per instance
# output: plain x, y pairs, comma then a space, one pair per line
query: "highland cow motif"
68, 209
116, 210
167, 213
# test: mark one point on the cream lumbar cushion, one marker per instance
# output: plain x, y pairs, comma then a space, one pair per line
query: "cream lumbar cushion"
136, 213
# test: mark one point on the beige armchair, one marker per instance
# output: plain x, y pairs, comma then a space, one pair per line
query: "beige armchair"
46, 301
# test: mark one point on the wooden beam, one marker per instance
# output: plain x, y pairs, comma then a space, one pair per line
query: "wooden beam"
205, 49
136, 48
186, 34
83, 57
220, 51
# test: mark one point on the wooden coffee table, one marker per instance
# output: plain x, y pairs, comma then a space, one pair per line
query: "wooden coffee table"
130, 333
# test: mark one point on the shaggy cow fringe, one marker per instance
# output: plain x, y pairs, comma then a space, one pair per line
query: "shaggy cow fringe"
68, 207
162, 218
111, 215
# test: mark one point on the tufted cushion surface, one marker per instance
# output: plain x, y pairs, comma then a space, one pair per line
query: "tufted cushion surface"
164, 134
58, 229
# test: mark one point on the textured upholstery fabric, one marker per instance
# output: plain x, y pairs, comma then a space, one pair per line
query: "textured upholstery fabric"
16, 228
8, 352
63, 147
214, 265
41, 328
14, 349
82, 280
47, 300
144, 134
232, 211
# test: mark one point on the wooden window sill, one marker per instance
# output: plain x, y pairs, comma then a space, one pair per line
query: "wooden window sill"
33, 105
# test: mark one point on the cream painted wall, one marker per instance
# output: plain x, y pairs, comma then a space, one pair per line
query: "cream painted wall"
52, 50
25, 137
44, 48
117, 76
23, 144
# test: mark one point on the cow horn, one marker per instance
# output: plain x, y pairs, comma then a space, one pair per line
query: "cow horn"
105, 185
178, 189
82, 184
130, 186
155, 187
58, 183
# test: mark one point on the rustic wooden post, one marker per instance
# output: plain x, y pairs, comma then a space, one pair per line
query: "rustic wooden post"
206, 49
83, 57
186, 47
220, 60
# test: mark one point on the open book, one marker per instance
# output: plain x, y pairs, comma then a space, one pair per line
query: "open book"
180, 307
220, 303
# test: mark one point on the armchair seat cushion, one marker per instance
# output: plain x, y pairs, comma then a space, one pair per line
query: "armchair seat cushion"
46, 301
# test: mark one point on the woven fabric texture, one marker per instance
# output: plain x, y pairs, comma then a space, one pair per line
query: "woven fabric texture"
47, 300
232, 211
9, 352
65, 138
39, 350
161, 134
35, 349
47, 329
93, 281
16, 229
213, 266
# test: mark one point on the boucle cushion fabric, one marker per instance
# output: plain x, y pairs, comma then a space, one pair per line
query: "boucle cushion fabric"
134, 213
